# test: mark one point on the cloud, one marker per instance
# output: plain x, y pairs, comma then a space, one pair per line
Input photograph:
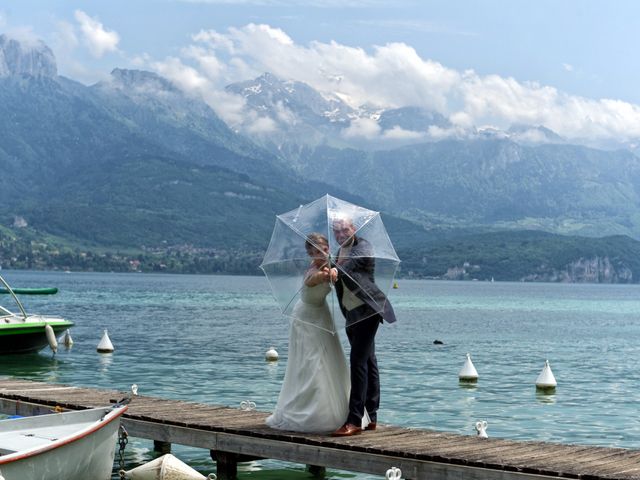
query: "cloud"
366, 128
98, 39
25, 35
438, 133
389, 76
568, 67
397, 133
3, 19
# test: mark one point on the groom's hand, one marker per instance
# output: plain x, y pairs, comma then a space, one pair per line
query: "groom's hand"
333, 275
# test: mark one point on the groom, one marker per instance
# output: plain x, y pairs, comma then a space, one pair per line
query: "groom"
364, 306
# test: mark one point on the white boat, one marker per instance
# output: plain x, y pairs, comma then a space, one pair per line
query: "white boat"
76, 445
26, 333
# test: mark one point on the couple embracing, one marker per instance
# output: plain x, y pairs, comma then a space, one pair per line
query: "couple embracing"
320, 393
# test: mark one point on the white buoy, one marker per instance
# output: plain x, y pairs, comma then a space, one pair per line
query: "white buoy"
247, 405
468, 372
166, 467
51, 337
271, 355
105, 345
394, 473
546, 382
481, 428
67, 341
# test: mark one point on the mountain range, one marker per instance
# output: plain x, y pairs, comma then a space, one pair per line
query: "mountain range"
136, 163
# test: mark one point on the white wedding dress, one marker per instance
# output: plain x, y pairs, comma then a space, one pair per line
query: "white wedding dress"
315, 392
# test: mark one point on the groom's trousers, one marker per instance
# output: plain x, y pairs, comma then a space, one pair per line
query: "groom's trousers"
365, 379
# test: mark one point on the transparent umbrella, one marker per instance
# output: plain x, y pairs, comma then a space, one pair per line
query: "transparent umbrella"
359, 248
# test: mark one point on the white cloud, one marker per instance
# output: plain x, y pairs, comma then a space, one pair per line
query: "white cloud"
389, 76
65, 36
3, 19
439, 133
185, 77
362, 128
99, 40
25, 35
568, 67
531, 135
262, 125
397, 133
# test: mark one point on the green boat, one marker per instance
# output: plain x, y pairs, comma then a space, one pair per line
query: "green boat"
27, 333
31, 291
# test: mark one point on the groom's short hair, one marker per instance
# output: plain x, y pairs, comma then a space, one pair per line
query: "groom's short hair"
342, 221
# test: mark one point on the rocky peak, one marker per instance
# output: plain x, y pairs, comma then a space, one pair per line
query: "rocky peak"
268, 92
30, 58
140, 79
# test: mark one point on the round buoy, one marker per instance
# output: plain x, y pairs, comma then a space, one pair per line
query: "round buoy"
271, 355
468, 373
67, 341
105, 345
51, 337
166, 467
546, 382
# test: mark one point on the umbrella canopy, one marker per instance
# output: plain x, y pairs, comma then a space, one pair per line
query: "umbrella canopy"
286, 261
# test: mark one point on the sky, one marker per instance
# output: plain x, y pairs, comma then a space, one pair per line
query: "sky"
570, 65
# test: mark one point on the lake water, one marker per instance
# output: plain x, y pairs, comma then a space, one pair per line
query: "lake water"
203, 338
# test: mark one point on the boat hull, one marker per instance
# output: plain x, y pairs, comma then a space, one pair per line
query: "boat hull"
87, 455
32, 291
28, 337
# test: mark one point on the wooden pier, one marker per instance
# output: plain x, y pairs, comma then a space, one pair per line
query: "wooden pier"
234, 435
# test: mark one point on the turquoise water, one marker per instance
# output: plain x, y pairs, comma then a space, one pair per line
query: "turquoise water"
203, 338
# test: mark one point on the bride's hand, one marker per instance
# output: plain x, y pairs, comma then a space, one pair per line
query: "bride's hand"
320, 275
325, 274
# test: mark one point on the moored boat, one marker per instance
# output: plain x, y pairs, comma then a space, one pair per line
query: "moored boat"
74, 445
25, 333
31, 291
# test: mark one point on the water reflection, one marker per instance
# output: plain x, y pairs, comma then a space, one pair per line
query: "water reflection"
468, 385
544, 397
36, 365
273, 369
106, 359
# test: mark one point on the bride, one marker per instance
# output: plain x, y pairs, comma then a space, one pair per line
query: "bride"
315, 392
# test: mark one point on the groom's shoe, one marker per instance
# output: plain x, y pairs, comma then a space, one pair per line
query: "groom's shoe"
347, 430
371, 426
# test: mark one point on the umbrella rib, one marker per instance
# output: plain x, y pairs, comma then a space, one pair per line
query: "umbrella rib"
354, 281
288, 260
293, 297
302, 235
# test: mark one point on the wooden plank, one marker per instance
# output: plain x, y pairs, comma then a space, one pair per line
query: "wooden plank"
533, 460
613, 463
579, 463
316, 455
419, 453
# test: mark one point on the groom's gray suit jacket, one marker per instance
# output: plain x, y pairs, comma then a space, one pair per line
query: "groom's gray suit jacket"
357, 274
